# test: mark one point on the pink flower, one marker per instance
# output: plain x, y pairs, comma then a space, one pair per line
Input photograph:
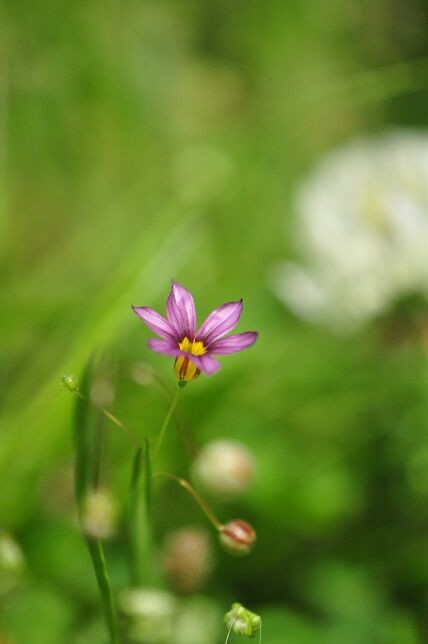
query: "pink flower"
194, 348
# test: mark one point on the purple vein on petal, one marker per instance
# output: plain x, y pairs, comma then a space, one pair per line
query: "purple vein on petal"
181, 311
155, 322
234, 343
167, 347
220, 321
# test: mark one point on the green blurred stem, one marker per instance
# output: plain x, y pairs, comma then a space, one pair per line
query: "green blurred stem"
99, 563
162, 387
197, 497
167, 419
116, 421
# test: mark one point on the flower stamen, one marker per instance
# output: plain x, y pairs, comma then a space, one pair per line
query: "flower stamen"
184, 368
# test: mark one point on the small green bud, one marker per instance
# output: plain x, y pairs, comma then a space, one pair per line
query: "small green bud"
242, 621
70, 382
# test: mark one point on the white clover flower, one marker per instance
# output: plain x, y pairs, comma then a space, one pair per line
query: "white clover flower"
363, 232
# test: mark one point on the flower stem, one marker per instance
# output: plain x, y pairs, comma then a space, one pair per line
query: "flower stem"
153, 378
166, 421
115, 420
199, 500
230, 630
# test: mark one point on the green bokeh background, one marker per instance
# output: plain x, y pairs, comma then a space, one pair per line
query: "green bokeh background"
141, 141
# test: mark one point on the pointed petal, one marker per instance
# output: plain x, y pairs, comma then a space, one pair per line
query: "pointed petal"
234, 343
220, 321
205, 363
167, 347
155, 322
181, 311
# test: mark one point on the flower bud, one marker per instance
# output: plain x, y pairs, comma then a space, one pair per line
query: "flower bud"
98, 514
242, 621
70, 382
150, 614
224, 467
238, 537
188, 558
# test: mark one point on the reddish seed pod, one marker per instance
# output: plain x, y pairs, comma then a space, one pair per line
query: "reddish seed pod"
238, 537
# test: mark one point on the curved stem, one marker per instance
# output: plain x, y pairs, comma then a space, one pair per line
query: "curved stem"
115, 420
199, 500
166, 422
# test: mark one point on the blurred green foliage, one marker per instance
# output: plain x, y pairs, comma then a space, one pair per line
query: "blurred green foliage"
141, 141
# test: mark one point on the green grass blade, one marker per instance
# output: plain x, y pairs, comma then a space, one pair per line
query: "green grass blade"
85, 428
109, 608
142, 562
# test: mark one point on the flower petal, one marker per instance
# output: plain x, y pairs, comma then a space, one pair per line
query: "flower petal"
181, 311
167, 347
155, 322
219, 322
234, 343
205, 363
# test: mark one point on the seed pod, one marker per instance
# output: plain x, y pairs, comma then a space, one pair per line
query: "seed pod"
238, 537
224, 467
242, 621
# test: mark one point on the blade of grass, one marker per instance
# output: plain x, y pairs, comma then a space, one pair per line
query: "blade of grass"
141, 559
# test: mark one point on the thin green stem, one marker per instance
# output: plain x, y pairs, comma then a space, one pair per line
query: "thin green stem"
230, 630
162, 387
99, 563
199, 500
116, 421
166, 421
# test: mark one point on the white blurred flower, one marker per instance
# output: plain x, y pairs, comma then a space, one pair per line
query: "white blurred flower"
224, 467
150, 614
363, 231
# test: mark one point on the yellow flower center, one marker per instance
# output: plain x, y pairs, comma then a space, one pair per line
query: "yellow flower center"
184, 368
